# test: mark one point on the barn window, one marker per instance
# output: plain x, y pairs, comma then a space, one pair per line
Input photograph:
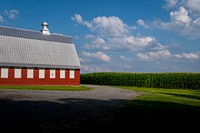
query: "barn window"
71, 74
4, 72
41, 73
52, 74
18, 73
62, 74
29, 73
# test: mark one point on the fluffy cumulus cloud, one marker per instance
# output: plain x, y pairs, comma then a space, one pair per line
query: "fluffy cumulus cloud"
125, 58
184, 19
106, 26
94, 68
12, 14
112, 35
193, 6
109, 26
142, 23
78, 19
151, 56
171, 3
97, 55
180, 16
190, 56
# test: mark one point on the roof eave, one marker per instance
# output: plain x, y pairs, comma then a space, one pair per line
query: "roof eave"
39, 66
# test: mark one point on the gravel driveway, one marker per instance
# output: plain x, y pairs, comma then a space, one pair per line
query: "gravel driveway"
46, 111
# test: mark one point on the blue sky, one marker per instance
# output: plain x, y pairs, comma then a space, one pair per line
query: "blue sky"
118, 35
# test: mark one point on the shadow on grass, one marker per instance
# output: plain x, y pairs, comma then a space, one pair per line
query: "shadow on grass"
197, 97
90, 115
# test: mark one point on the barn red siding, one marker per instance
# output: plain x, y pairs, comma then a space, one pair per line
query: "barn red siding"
11, 80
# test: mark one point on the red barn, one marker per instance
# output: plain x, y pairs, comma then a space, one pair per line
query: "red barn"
37, 58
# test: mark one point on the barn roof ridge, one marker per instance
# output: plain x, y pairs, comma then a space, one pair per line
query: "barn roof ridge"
32, 34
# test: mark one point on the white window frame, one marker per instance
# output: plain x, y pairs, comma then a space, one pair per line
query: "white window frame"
30, 73
71, 74
18, 73
52, 73
62, 74
41, 73
4, 72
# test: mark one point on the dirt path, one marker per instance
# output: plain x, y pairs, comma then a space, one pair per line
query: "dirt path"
33, 111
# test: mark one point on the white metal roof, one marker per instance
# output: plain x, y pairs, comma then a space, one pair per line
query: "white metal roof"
29, 52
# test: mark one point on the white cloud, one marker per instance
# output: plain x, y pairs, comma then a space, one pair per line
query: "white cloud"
12, 14
142, 23
125, 58
130, 43
180, 16
96, 43
152, 56
1, 19
171, 3
144, 57
89, 36
110, 26
97, 55
105, 26
78, 19
163, 53
193, 6
181, 22
111, 33
191, 56
93, 68
196, 22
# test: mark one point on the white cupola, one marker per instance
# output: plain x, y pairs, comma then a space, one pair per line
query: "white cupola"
45, 29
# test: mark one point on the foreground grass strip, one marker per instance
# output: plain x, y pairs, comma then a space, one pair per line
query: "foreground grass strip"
61, 88
161, 110
179, 96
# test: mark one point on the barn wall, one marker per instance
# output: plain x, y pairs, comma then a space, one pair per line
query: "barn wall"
24, 80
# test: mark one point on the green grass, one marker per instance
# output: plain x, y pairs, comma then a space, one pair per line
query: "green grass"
58, 88
178, 96
160, 110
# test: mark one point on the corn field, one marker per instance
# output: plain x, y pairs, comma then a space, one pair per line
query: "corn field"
153, 80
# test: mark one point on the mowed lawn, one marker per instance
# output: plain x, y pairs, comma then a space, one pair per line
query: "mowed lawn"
160, 110
61, 88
